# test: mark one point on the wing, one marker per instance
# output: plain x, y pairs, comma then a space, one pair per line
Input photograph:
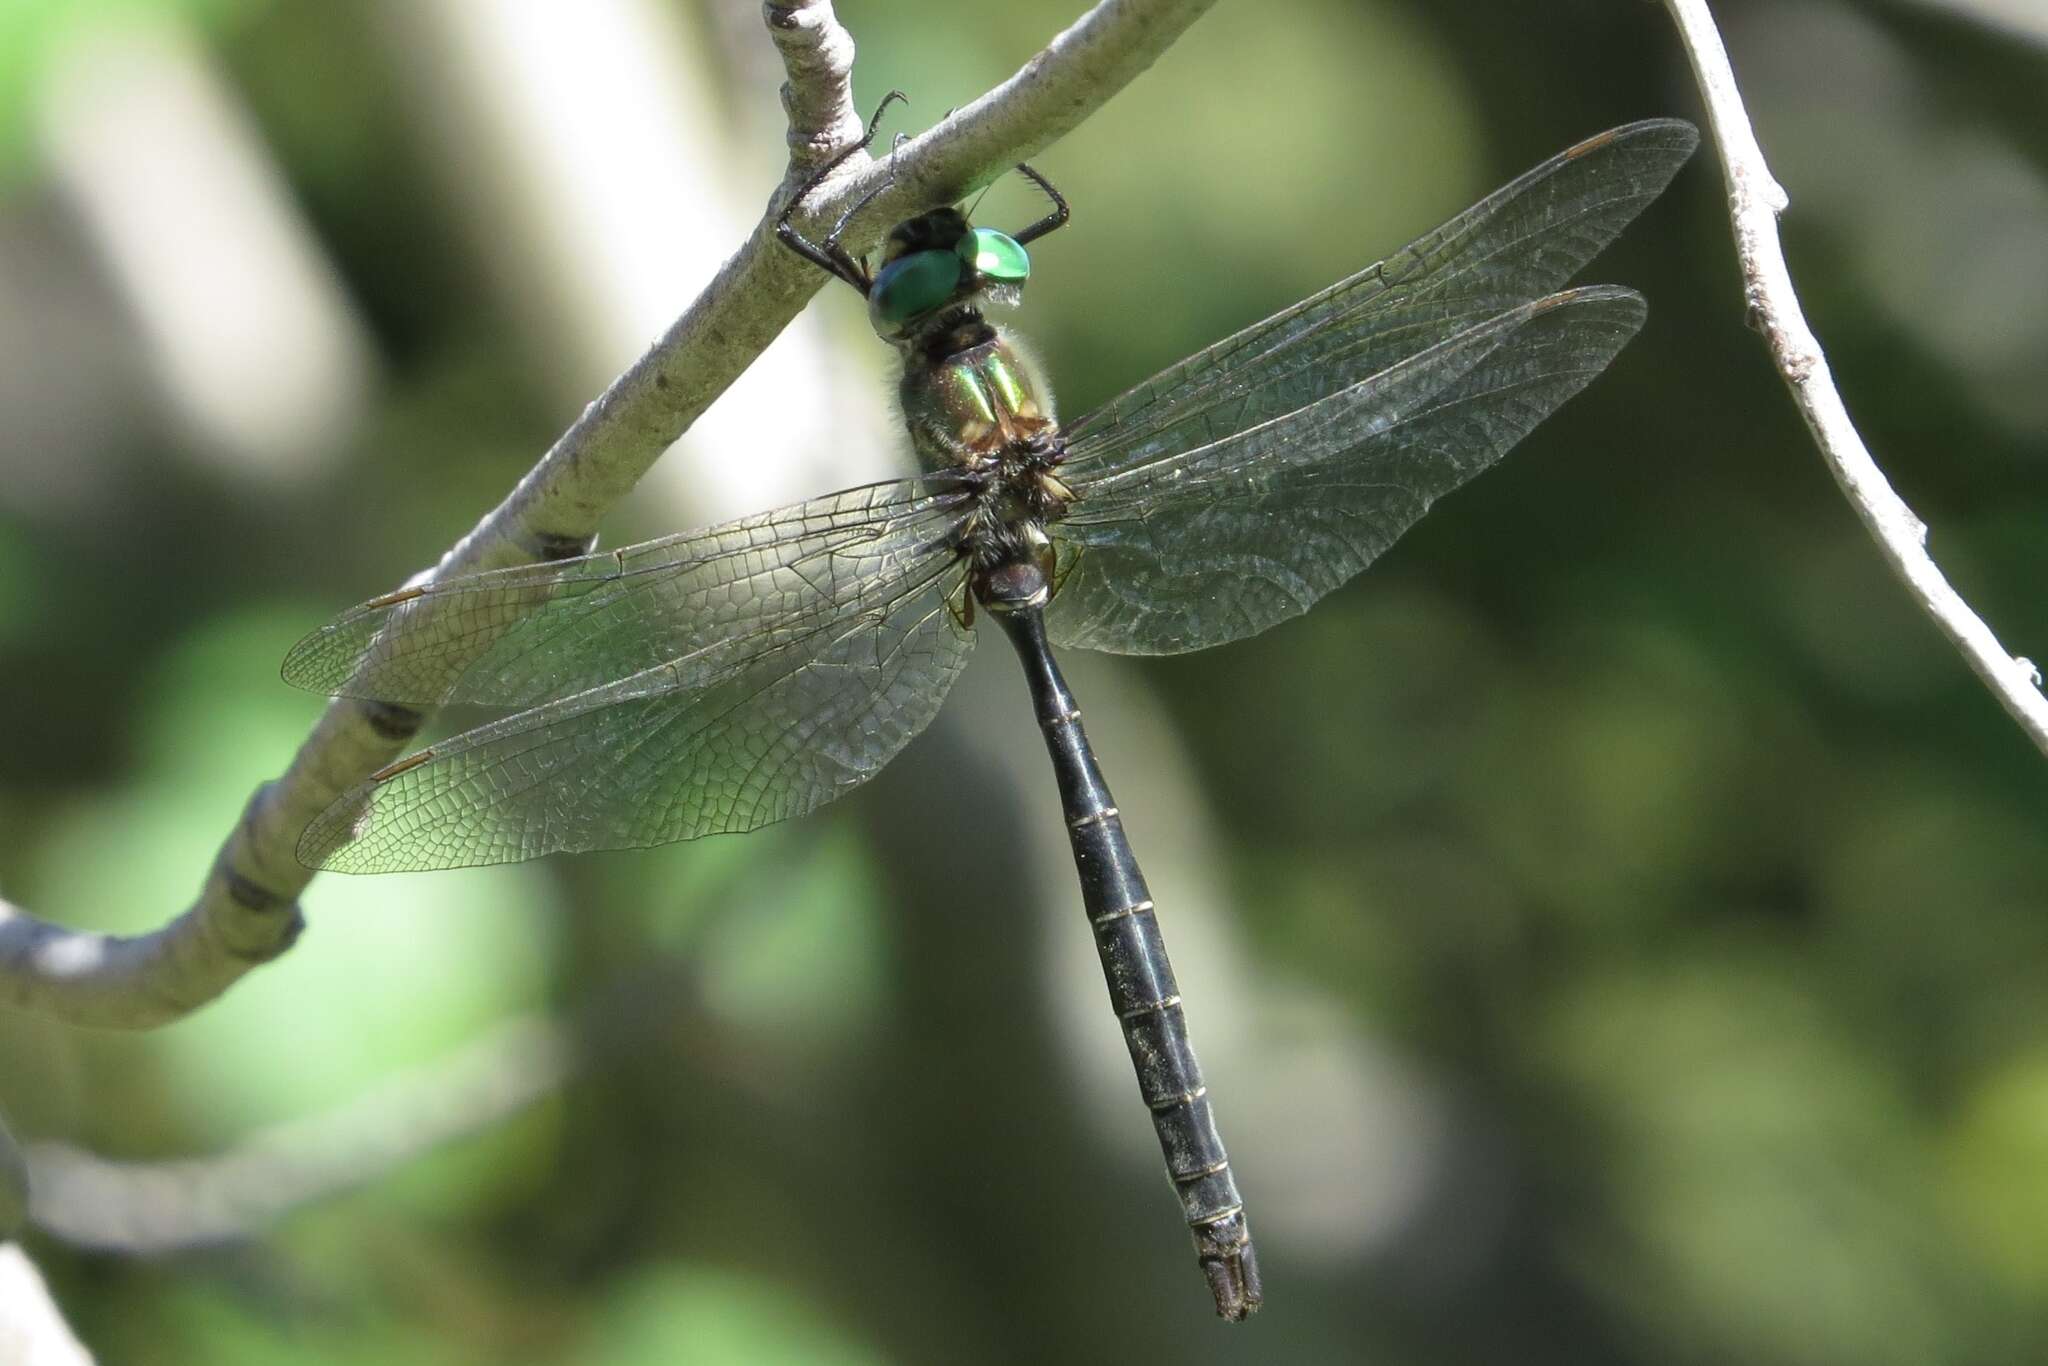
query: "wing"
1195, 547
787, 709
523, 636
1523, 241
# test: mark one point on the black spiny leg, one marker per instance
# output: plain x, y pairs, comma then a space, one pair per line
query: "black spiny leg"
829, 256
1052, 221
831, 243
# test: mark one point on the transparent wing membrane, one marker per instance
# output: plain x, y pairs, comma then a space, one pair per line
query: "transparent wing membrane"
758, 729
518, 637
1192, 548
1523, 241
741, 680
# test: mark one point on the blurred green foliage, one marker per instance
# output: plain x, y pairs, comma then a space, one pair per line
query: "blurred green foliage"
33, 34
1626, 803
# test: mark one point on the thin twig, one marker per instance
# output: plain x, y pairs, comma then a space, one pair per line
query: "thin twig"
1755, 202
146, 1208
155, 1207
247, 913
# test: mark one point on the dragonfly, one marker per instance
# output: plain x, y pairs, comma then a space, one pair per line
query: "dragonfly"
719, 680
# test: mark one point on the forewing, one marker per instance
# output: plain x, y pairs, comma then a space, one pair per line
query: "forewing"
1193, 548
527, 635
1520, 243
784, 712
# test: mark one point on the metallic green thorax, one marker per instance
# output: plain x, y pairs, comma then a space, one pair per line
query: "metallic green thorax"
974, 406
970, 405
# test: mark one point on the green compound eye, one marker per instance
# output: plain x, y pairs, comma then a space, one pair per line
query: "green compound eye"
995, 256
913, 284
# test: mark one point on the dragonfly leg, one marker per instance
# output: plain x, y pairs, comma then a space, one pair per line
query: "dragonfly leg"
831, 245
1051, 222
829, 256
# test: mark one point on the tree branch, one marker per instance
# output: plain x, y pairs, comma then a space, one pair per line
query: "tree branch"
246, 913
1755, 201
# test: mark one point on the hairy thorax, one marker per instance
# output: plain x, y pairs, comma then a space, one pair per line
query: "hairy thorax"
976, 406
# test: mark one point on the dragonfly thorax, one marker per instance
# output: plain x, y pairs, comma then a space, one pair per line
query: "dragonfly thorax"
976, 406
975, 400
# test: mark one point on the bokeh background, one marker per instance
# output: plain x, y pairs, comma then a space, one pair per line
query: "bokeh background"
1615, 928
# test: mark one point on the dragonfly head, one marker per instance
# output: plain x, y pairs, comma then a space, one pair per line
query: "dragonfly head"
937, 260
